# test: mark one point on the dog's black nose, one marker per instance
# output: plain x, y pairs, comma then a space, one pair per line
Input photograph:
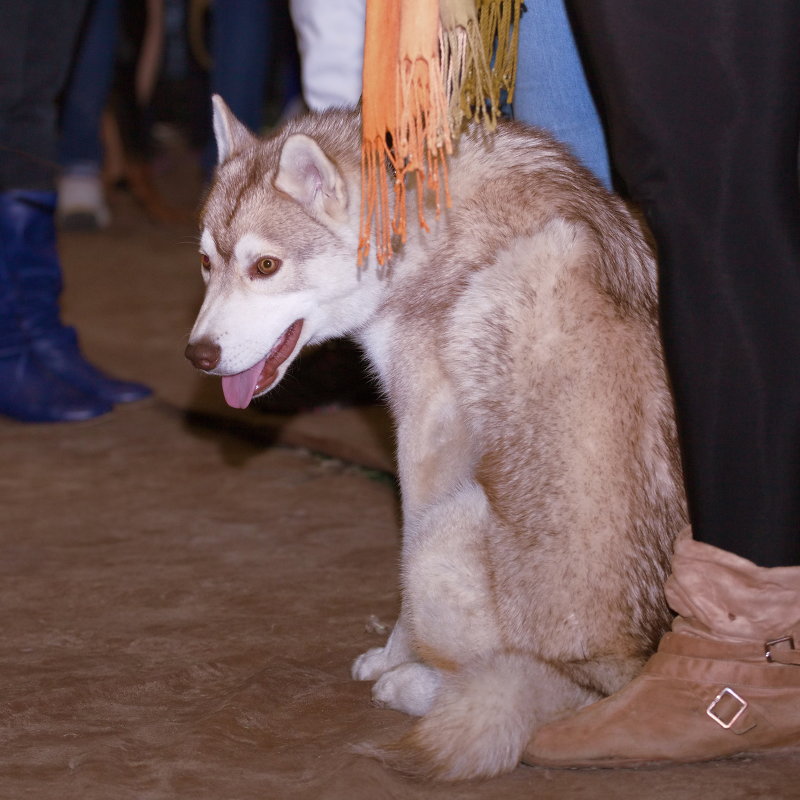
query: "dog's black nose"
203, 354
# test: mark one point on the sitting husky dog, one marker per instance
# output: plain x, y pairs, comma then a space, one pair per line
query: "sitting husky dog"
517, 346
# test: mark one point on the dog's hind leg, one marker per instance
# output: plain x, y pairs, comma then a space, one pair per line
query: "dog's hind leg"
446, 584
448, 618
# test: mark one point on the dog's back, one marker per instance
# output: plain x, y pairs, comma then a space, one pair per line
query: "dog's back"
527, 380
534, 302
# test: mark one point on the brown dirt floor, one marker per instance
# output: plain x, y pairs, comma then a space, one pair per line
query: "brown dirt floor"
184, 587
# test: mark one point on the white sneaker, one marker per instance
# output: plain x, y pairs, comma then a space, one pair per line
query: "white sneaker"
81, 203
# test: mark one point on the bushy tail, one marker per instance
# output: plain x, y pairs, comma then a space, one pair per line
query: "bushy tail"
483, 718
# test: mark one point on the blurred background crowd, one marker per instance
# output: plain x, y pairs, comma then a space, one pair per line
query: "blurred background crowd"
142, 78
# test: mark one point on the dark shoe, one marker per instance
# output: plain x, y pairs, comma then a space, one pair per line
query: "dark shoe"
29, 393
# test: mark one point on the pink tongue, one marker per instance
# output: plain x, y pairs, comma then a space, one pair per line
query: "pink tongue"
238, 389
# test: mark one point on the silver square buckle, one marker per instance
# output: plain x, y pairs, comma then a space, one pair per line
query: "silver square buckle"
743, 704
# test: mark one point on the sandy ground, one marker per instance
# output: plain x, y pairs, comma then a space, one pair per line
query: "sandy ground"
184, 587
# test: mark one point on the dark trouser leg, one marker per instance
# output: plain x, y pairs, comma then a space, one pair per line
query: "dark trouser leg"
37, 38
703, 107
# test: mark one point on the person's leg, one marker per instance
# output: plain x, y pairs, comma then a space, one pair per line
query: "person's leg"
36, 45
703, 102
551, 90
703, 105
241, 47
39, 37
29, 391
87, 89
81, 202
28, 236
330, 37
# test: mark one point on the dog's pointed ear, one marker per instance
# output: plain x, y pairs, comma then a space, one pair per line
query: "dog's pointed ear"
306, 174
231, 135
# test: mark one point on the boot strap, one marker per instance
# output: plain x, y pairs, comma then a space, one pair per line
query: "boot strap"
728, 677
782, 651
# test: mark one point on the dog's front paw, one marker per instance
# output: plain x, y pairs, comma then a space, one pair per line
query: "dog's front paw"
371, 665
410, 688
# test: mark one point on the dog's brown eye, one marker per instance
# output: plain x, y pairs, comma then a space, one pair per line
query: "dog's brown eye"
268, 265
205, 261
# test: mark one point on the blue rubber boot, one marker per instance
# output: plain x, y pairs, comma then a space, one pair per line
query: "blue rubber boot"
29, 392
28, 246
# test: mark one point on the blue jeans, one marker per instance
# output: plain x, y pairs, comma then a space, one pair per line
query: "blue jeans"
244, 47
551, 90
86, 94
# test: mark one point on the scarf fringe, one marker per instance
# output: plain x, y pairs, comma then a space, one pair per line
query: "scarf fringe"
499, 25
434, 96
375, 201
467, 77
424, 136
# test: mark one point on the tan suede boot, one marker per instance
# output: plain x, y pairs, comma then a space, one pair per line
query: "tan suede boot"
725, 681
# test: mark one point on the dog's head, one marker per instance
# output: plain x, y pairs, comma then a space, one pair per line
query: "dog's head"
279, 236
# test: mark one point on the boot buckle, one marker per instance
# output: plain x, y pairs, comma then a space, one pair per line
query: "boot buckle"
723, 696
768, 646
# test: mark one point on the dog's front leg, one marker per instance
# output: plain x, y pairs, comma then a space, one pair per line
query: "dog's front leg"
401, 682
371, 665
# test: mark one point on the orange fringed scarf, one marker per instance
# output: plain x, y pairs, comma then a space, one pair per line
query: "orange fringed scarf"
426, 70
378, 118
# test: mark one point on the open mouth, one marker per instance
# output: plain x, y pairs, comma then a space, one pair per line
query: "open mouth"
241, 388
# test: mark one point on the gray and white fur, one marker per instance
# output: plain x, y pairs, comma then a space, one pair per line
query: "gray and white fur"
518, 349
